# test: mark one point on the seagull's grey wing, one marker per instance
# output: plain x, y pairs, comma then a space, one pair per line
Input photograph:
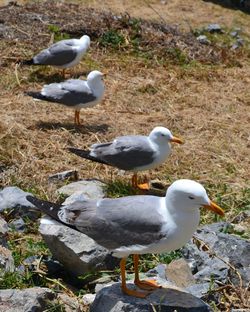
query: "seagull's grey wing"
113, 223
60, 53
126, 152
70, 92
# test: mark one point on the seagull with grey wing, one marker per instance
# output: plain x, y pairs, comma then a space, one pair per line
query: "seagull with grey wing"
63, 54
74, 93
133, 152
136, 225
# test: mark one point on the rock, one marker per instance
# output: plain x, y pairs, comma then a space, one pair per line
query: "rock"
70, 175
242, 216
77, 196
214, 28
12, 197
179, 272
27, 300
238, 44
199, 290
224, 250
76, 251
239, 229
3, 231
88, 299
112, 299
91, 189
69, 304
203, 39
17, 225
6, 260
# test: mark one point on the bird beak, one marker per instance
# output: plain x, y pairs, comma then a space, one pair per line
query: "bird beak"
176, 140
215, 208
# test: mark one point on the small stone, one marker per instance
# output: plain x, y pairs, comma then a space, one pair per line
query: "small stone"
179, 272
91, 189
214, 28
6, 260
112, 299
238, 44
203, 39
70, 175
17, 225
88, 299
3, 231
199, 290
69, 304
239, 229
242, 216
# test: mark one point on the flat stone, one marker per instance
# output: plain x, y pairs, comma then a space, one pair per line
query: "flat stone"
203, 39
3, 231
70, 175
112, 299
91, 189
27, 300
199, 290
88, 299
17, 225
179, 272
6, 260
214, 28
69, 304
77, 252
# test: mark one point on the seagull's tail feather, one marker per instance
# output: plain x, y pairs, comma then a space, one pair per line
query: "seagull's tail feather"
27, 62
86, 154
36, 95
50, 209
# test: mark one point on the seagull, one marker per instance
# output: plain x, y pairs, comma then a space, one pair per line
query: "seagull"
135, 225
74, 93
133, 152
62, 54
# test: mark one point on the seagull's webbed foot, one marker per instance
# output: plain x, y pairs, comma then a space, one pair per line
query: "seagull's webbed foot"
135, 293
145, 185
147, 285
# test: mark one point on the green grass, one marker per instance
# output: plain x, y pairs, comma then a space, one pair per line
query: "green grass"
58, 35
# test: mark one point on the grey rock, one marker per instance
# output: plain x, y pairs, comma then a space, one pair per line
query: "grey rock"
6, 260
203, 39
71, 175
112, 299
88, 299
76, 251
229, 249
91, 189
214, 28
18, 225
69, 304
179, 272
3, 231
12, 197
199, 290
242, 216
158, 271
26, 300
77, 196
238, 44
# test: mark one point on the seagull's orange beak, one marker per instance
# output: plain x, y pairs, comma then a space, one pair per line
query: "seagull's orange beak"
176, 140
215, 208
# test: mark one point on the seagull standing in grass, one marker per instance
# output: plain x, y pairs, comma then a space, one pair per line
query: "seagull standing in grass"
74, 93
63, 54
133, 152
139, 224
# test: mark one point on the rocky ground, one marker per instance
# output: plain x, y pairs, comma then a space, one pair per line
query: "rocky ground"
184, 65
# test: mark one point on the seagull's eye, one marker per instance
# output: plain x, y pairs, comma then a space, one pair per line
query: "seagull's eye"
162, 135
190, 197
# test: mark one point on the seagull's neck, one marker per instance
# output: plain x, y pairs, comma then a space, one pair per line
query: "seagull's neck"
162, 150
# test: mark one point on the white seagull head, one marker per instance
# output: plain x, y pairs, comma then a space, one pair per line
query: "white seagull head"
95, 76
188, 195
161, 135
85, 39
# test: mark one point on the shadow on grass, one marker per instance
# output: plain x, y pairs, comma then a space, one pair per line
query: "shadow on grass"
42, 125
47, 77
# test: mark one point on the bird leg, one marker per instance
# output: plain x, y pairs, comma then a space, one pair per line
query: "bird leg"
77, 118
143, 186
146, 285
125, 289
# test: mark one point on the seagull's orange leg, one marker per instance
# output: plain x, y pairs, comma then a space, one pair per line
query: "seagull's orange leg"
125, 289
147, 285
143, 186
77, 118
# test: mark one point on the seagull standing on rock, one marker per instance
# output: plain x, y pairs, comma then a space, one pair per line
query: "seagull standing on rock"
63, 54
133, 152
135, 225
74, 93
